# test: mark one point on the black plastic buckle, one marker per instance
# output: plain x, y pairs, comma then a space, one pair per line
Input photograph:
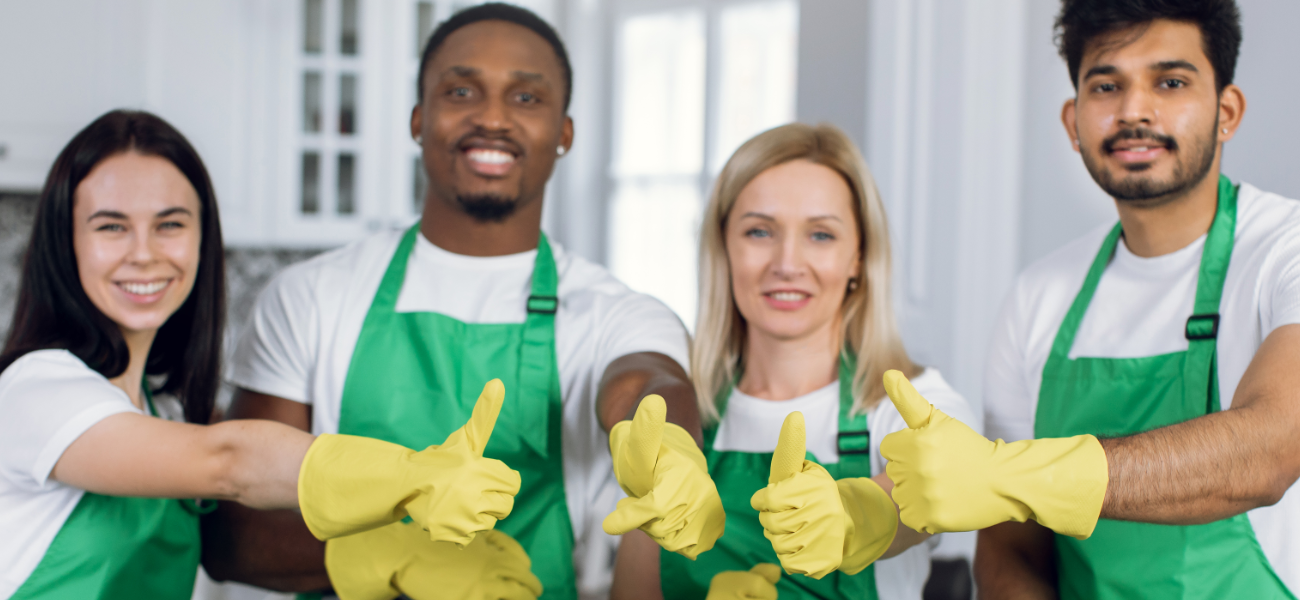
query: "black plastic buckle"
866, 442
1202, 334
543, 304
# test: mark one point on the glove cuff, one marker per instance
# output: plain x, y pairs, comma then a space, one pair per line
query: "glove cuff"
1062, 481
871, 525
348, 484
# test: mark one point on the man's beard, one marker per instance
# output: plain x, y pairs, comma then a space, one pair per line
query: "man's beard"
1187, 173
487, 208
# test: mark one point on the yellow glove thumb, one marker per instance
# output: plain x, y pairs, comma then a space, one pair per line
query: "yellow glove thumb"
768, 571
644, 437
476, 432
787, 460
910, 404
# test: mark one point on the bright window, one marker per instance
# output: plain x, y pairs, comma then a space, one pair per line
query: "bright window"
734, 60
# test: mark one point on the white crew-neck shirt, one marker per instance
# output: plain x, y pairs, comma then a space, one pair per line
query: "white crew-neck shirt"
1140, 308
300, 340
48, 398
753, 425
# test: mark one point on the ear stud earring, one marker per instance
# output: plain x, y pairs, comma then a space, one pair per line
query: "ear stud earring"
559, 150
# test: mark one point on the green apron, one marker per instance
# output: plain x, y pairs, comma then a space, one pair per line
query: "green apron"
738, 476
414, 379
116, 548
1123, 396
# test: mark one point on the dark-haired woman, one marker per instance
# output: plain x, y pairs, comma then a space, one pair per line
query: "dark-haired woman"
115, 340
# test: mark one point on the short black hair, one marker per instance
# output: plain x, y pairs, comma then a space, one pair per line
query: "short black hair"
54, 311
497, 11
1081, 21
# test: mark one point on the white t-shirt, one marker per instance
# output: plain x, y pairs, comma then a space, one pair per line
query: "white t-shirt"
302, 334
753, 425
48, 398
1140, 309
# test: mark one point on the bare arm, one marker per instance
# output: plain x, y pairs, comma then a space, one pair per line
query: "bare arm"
254, 463
905, 537
636, 569
632, 377
270, 549
1016, 560
1218, 465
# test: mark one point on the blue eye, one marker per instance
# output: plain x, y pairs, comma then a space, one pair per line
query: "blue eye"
111, 227
758, 233
822, 236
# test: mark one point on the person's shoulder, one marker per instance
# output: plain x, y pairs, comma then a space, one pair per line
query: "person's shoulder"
579, 276
340, 264
1061, 270
43, 367
1262, 214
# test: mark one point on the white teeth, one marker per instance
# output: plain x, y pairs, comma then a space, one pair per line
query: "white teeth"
788, 296
1139, 149
144, 289
491, 157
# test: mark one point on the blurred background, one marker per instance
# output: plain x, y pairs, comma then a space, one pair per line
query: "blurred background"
300, 110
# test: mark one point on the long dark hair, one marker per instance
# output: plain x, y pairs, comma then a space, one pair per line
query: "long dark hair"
53, 310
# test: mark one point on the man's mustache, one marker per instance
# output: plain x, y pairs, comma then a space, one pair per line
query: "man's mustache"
1138, 133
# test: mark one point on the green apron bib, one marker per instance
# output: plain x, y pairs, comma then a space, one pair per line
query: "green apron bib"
117, 548
738, 476
1123, 396
414, 379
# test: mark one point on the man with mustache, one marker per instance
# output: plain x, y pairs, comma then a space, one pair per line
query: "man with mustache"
392, 338
1146, 374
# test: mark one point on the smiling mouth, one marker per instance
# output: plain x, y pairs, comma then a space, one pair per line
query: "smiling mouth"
787, 296
141, 288
490, 162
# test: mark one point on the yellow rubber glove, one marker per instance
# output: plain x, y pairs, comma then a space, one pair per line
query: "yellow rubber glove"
670, 494
397, 559
348, 484
949, 478
758, 583
815, 523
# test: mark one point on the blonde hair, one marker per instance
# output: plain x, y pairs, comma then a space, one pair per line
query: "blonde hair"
869, 329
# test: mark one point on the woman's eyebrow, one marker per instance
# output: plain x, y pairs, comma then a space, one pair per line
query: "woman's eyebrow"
175, 210
107, 214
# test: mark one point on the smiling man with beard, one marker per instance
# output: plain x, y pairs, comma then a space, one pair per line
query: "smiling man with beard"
394, 336
1145, 375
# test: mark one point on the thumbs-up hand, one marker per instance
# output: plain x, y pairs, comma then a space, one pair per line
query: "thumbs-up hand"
670, 494
464, 493
800, 509
758, 583
947, 477
348, 484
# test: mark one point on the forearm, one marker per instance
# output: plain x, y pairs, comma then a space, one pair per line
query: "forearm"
269, 549
1016, 560
905, 537
631, 378
261, 462
1198, 471
636, 569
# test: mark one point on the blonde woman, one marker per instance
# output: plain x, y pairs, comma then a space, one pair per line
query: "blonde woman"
795, 315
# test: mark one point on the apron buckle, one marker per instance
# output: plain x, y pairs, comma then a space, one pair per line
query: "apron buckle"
543, 304
853, 446
1202, 327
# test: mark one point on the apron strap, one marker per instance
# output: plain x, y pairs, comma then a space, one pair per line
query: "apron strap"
1202, 329
854, 438
537, 366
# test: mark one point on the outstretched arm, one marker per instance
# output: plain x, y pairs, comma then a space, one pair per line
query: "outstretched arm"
1219, 465
1016, 560
630, 378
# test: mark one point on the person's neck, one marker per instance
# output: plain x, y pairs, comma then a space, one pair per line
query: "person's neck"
1169, 226
781, 369
448, 226
130, 381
